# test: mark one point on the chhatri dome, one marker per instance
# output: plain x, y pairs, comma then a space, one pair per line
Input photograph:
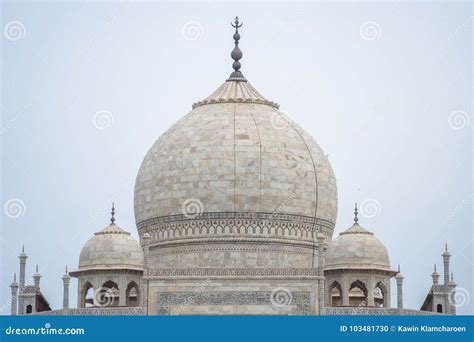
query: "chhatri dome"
111, 248
236, 155
357, 248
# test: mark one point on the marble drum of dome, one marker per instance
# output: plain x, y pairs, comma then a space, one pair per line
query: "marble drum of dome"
235, 171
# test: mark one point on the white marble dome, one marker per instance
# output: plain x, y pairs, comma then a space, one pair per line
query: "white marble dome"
111, 248
357, 248
235, 152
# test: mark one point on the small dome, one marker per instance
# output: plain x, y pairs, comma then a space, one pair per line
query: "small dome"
111, 248
357, 248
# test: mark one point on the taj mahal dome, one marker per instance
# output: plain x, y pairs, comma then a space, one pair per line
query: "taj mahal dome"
235, 206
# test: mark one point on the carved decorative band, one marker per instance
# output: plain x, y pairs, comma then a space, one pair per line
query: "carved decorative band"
171, 303
237, 224
253, 272
218, 245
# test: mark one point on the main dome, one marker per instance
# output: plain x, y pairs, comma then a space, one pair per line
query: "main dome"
235, 152
235, 183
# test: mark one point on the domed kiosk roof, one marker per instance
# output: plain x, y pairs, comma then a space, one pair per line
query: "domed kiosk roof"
235, 152
111, 248
357, 248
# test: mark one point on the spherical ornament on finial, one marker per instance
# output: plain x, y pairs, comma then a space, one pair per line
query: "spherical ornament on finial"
112, 219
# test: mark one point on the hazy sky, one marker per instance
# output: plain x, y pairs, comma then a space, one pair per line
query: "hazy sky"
385, 88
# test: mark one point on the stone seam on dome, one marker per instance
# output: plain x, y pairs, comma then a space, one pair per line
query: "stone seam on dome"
260, 159
312, 162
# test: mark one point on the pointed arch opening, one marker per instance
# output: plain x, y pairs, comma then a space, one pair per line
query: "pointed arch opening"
380, 295
107, 295
358, 294
132, 294
87, 295
335, 294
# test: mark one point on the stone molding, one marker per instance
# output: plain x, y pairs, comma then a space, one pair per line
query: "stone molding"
225, 246
240, 224
234, 272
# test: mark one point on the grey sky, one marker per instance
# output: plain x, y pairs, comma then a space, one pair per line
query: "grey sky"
385, 88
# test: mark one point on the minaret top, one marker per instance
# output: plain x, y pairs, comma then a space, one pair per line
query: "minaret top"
399, 274
14, 283
112, 218
236, 54
23, 254
446, 253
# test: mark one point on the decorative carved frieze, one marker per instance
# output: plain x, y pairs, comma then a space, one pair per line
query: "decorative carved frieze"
166, 300
235, 224
253, 272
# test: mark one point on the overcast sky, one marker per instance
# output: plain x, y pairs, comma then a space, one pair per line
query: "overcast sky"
386, 89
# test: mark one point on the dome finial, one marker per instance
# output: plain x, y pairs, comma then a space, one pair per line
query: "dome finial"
236, 54
356, 212
112, 219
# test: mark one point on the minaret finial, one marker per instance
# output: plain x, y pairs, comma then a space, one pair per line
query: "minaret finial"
36, 268
356, 212
435, 267
66, 270
446, 247
23, 249
236, 54
14, 277
398, 268
112, 219
452, 276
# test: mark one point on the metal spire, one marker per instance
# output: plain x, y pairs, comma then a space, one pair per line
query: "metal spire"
66, 270
236, 54
112, 219
356, 212
36, 268
434, 267
14, 277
